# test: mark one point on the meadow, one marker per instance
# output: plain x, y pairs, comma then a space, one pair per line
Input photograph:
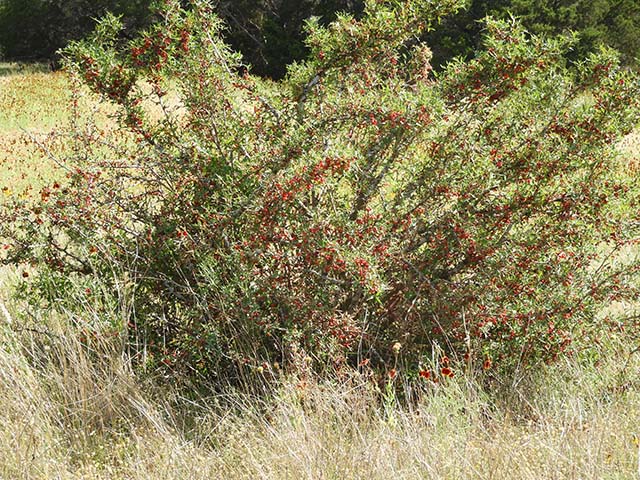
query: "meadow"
73, 409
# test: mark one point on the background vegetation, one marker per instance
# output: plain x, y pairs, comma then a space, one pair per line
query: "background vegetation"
270, 33
602, 22
35, 29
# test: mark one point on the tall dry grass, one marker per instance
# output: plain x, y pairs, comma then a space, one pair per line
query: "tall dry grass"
74, 410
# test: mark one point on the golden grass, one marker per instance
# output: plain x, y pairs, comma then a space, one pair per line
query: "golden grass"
35, 119
34, 108
630, 149
34, 100
70, 412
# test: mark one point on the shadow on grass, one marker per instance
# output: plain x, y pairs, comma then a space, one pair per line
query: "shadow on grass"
13, 68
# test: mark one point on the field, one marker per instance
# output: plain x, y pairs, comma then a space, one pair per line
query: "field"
69, 412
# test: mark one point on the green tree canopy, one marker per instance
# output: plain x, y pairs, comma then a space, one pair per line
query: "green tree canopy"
615, 23
36, 29
270, 33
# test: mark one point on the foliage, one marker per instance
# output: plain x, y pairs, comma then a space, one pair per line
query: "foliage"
615, 23
36, 29
270, 34
361, 211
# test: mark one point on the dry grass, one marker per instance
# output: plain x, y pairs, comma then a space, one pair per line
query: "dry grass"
630, 148
34, 100
36, 118
30, 109
74, 412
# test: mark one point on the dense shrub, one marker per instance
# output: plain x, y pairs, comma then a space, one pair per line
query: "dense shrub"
361, 210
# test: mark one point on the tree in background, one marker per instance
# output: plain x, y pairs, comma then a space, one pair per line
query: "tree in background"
36, 29
19, 37
615, 23
270, 33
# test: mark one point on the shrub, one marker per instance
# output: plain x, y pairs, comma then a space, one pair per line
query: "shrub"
360, 211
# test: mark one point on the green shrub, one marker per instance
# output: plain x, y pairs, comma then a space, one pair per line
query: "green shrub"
360, 211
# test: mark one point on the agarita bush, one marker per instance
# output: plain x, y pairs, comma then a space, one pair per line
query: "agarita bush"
359, 204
